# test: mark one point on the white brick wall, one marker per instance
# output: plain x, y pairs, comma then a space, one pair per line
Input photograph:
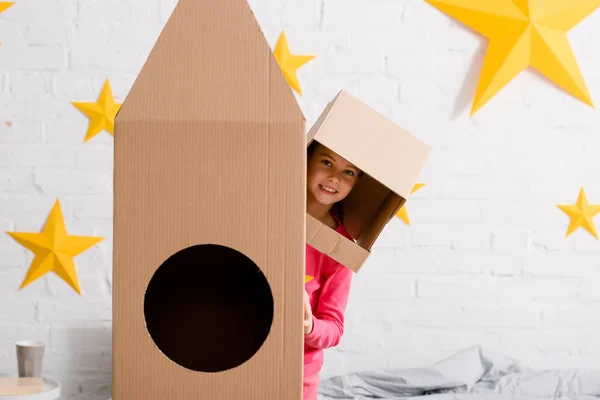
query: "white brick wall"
485, 262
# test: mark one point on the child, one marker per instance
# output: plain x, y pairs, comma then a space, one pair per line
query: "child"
330, 178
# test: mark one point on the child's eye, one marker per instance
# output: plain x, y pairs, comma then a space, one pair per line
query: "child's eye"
351, 173
326, 162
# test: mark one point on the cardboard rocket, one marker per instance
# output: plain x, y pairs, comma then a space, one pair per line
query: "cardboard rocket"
209, 215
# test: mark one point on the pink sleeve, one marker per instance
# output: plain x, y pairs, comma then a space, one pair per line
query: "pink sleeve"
328, 319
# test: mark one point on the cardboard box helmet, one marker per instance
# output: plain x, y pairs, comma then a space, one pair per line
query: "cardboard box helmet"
391, 160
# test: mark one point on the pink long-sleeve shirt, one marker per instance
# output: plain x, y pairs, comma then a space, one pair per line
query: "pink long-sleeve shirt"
328, 291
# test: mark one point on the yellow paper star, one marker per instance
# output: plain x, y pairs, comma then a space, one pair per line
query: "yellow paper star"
102, 113
54, 249
403, 213
5, 4
308, 278
581, 215
289, 63
523, 33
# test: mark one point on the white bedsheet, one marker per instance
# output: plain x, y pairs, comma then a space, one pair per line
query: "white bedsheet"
474, 373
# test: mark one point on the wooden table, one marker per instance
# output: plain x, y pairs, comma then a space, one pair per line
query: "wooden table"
51, 391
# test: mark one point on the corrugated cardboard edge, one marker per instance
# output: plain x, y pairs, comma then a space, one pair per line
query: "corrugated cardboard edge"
322, 120
325, 239
334, 245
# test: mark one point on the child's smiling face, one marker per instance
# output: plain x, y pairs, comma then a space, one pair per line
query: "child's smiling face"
329, 177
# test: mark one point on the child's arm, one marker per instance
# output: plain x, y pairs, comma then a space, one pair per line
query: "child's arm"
328, 320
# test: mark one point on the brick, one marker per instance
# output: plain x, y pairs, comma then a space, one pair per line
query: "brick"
93, 208
106, 59
481, 262
12, 254
15, 181
418, 90
33, 210
561, 264
94, 159
381, 15
563, 361
411, 261
9, 32
488, 317
30, 84
589, 344
138, 36
18, 132
300, 13
359, 340
93, 35
47, 35
8, 333
42, 58
60, 12
510, 241
383, 287
550, 341
85, 337
475, 290
8, 156
431, 313
85, 363
551, 240
393, 236
377, 92
586, 242
61, 182
547, 291
512, 214
445, 211
32, 109
583, 318
80, 311
475, 188
433, 236
589, 291
17, 309
424, 57
451, 340
355, 61
132, 11
43, 156
73, 86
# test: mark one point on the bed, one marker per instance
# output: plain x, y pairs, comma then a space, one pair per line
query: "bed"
473, 373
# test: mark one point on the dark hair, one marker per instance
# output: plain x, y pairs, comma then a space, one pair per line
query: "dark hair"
311, 149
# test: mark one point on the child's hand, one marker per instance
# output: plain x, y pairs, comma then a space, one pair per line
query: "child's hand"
308, 320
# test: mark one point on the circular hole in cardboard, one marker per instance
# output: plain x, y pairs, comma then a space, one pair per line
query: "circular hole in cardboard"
208, 308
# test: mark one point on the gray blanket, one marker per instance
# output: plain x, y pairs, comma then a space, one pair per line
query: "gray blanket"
474, 373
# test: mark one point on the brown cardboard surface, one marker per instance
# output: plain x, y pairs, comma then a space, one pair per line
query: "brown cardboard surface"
209, 149
20, 386
391, 159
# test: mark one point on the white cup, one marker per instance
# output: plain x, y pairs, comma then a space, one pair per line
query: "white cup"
29, 358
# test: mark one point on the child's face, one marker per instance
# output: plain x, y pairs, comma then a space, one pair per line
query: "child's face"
329, 177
